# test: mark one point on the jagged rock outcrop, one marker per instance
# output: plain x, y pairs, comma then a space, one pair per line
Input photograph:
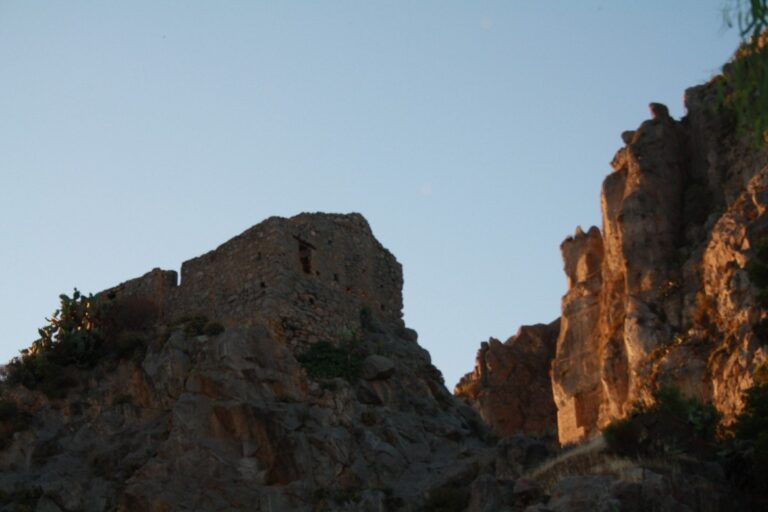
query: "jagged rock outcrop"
667, 299
236, 420
661, 294
510, 385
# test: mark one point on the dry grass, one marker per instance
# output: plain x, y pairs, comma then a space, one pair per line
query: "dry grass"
592, 458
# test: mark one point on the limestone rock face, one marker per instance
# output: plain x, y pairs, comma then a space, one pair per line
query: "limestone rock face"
661, 295
233, 420
510, 385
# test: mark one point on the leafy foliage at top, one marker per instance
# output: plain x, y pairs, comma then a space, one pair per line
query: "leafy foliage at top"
74, 337
745, 80
751, 16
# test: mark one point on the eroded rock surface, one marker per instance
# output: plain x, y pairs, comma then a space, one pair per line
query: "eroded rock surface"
510, 385
661, 295
233, 420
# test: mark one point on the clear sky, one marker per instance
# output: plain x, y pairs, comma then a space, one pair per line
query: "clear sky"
473, 136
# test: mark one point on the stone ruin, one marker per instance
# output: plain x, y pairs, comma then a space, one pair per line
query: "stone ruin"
293, 275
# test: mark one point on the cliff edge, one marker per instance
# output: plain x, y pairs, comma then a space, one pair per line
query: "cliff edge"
662, 294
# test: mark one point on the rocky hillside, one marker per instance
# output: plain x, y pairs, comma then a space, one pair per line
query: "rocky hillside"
277, 376
510, 386
668, 291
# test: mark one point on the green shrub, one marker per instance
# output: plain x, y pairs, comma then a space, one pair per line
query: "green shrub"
447, 499
198, 325
672, 423
368, 418
8, 411
213, 329
758, 273
761, 330
128, 343
71, 337
762, 298
367, 322
12, 419
761, 250
195, 326
624, 437
82, 332
757, 270
746, 454
745, 78
22, 499
323, 360
753, 420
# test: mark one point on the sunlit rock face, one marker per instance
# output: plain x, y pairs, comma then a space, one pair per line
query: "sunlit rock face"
661, 295
233, 420
510, 385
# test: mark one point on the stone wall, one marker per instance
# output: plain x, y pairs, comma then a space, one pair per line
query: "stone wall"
307, 277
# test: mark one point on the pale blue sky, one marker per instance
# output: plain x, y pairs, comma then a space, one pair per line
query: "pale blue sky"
473, 136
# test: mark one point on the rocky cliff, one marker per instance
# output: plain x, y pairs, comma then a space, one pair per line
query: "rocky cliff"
278, 376
662, 294
309, 393
510, 386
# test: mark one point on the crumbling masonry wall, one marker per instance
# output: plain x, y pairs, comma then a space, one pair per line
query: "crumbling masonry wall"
307, 277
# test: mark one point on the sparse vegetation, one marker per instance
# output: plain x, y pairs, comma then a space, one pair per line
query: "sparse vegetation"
668, 288
198, 325
323, 360
447, 499
369, 418
367, 322
72, 337
22, 499
760, 329
757, 270
213, 329
745, 79
84, 331
673, 423
748, 448
12, 420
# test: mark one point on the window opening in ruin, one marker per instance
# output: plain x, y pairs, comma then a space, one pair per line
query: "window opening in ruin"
305, 255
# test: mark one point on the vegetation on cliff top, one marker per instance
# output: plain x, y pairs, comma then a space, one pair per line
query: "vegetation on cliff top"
75, 337
745, 79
